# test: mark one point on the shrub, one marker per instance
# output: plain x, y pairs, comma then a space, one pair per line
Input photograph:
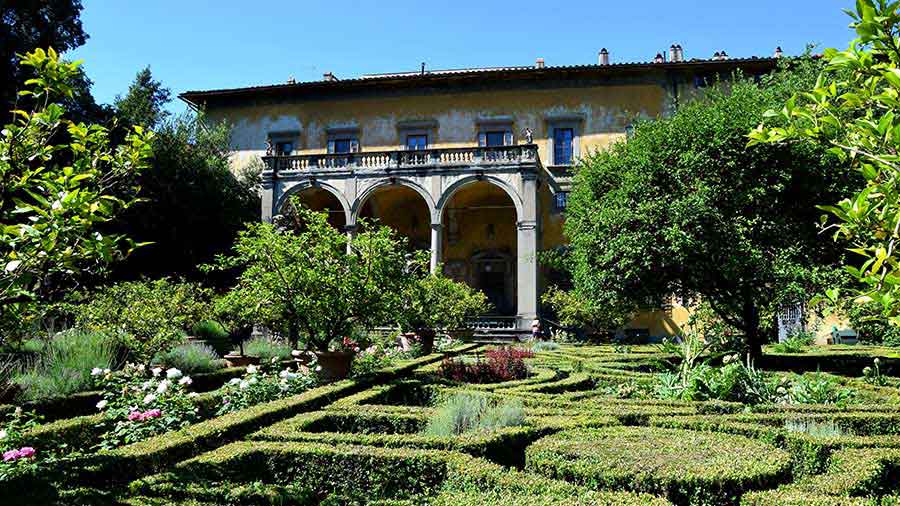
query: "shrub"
264, 383
64, 366
138, 404
505, 363
539, 346
474, 412
817, 388
149, 317
213, 334
191, 358
266, 348
795, 343
693, 468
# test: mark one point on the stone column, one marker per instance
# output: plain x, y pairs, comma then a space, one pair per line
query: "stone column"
526, 254
437, 246
268, 198
351, 234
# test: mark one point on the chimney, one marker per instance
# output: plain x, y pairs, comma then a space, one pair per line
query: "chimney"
604, 57
659, 58
328, 76
673, 53
539, 63
679, 52
778, 52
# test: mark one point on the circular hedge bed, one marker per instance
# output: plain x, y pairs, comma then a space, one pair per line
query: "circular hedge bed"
688, 467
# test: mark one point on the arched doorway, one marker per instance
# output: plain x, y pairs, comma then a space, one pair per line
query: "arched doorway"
479, 246
317, 199
402, 209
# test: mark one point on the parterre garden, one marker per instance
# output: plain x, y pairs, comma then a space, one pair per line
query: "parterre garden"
588, 425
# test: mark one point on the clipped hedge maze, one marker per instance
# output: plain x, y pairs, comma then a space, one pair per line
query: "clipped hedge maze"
362, 443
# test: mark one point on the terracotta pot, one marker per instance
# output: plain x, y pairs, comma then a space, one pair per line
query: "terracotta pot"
240, 360
335, 364
426, 340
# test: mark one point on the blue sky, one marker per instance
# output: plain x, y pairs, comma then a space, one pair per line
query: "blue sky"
205, 44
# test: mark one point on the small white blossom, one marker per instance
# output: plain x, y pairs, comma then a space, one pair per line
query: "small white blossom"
234, 381
147, 384
252, 381
243, 385
156, 371
149, 398
102, 404
251, 369
3, 434
274, 360
318, 368
173, 373
193, 394
296, 353
96, 371
18, 411
185, 380
163, 386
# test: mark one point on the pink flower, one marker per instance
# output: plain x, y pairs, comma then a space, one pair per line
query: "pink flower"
22, 453
153, 413
10, 455
26, 452
135, 416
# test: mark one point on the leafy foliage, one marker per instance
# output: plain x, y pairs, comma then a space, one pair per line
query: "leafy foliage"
302, 280
265, 348
433, 301
853, 107
686, 208
144, 104
191, 358
148, 317
265, 383
53, 196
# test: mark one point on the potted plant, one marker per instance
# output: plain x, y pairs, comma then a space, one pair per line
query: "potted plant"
432, 301
237, 315
311, 284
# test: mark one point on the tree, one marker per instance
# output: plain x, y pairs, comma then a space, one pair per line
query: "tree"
53, 197
192, 205
26, 25
853, 107
305, 283
685, 207
432, 301
145, 102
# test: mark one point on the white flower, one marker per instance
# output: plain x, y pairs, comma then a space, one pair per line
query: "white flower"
193, 394
141, 367
274, 360
251, 369
149, 398
106, 371
318, 368
3, 433
156, 371
18, 411
163, 386
173, 373
283, 374
252, 381
185, 380
234, 381
296, 353
243, 385
147, 384
102, 404
96, 371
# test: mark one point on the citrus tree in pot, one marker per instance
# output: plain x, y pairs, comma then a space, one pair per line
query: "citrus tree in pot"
432, 301
313, 284
238, 315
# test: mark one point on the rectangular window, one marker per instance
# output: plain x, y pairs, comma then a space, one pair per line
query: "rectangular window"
563, 140
416, 142
284, 148
495, 138
344, 145
561, 199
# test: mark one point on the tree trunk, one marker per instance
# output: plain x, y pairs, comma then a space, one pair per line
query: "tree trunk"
751, 331
293, 334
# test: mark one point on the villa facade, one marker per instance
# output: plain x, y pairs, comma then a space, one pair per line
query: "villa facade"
474, 165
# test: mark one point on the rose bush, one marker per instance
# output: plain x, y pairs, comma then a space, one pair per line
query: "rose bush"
138, 403
267, 382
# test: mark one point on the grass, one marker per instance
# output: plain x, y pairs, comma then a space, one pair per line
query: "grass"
474, 412
63, 366
192, 358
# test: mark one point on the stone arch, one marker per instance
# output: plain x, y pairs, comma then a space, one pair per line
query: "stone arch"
305, 185
360, 201
451, 190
